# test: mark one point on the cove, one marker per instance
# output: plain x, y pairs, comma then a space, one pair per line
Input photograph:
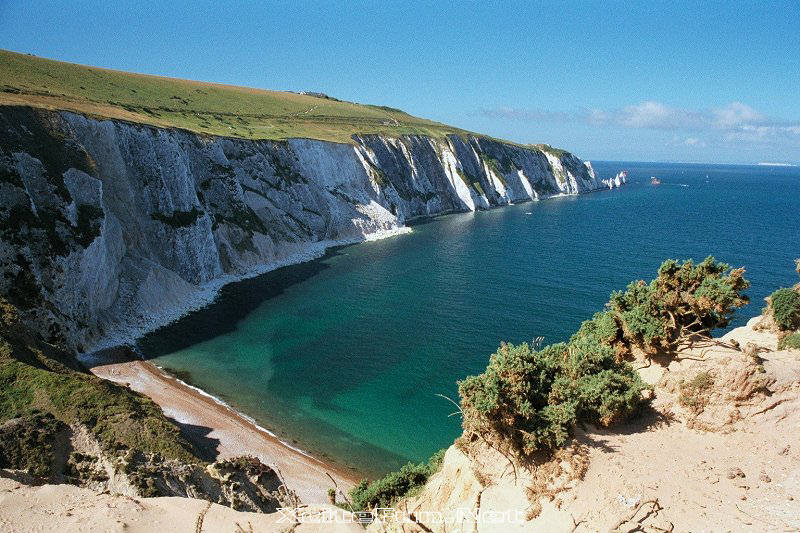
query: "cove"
344, 356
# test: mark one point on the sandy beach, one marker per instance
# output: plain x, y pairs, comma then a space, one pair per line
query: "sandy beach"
234, 434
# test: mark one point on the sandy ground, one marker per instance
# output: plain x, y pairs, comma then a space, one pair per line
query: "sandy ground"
306, 475
66, 508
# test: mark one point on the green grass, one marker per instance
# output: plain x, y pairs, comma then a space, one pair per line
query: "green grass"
386, 491
197, 106
470, 181
203, 107
39, 379
790, 342
498, 169
558, 152
116, 416
18, 437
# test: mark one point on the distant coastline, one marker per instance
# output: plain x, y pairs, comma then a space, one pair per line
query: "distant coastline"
770, 164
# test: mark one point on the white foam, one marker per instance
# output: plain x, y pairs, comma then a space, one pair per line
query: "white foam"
236, 412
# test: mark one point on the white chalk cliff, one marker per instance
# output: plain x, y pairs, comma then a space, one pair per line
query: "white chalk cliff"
107, 224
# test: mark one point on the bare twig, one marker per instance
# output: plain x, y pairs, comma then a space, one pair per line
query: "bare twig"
754, 517
656, 507
454, 403
575, 523
536, 343
510, 462
336, 487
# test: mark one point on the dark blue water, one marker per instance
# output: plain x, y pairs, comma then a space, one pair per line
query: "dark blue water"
345, 355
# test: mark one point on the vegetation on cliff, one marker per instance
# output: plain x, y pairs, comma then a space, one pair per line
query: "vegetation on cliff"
49, 404
385, 492
529, 400
27, 443
785, 306
684, 299
39, 380
790, 342
783, 310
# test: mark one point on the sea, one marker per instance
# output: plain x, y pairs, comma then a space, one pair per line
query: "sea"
355, 356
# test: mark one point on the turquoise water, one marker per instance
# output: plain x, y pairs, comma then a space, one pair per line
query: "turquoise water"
345, 355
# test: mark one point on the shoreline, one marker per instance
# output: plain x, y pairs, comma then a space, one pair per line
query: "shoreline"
235, 433
235, 412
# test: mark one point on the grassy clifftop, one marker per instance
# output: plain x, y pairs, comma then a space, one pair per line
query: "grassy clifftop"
201, 107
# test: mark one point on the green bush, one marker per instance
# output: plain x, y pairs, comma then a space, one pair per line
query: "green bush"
26, 443
785, 304
510, 401
693, 393
684, 299
790, 342
386, 491
603, 389
603, 327
528, 401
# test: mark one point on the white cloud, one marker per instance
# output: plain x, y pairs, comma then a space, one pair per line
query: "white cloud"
652, 115
656, 115
647, 115
735, 122
736, 114
533, 115
694, 141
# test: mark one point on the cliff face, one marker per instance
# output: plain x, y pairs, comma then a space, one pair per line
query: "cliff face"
106, 224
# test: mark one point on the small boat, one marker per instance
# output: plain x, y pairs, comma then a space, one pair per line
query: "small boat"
654, 181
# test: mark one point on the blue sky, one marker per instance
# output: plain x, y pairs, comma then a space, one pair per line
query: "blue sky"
681, 81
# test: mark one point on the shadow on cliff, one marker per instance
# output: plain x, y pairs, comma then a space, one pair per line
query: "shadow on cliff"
205, 447
234, 302
648, 419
